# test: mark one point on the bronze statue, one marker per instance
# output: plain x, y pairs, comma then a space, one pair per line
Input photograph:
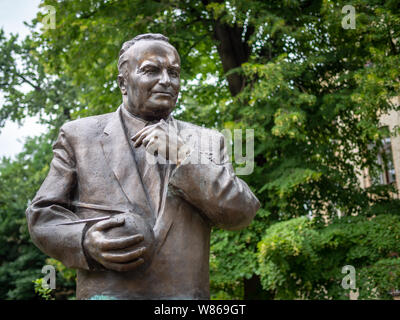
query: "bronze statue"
135, 228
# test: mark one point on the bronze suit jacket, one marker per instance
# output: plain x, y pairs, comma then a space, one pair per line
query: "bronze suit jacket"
94, 165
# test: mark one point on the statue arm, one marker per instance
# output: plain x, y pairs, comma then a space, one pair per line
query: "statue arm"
215, 190
51, 206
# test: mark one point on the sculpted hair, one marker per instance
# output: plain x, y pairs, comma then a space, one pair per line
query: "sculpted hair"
125, 47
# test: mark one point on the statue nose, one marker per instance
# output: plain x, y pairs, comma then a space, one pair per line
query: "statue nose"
165, 79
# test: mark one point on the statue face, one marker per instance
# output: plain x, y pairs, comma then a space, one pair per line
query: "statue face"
151, 83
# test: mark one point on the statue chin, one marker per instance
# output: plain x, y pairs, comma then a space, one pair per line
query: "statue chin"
161, 112
134, 224
153, 112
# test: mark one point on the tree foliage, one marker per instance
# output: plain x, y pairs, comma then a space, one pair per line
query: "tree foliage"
20, 261
300, 260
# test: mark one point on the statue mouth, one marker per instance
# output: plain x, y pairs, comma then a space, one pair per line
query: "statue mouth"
165, 93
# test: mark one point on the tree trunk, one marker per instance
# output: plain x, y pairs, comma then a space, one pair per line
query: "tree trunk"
233, 52
231, 49
254, 291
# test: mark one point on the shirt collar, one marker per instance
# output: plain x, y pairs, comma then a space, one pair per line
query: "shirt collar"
134, 124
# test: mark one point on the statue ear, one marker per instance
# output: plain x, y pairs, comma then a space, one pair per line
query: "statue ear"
122, 84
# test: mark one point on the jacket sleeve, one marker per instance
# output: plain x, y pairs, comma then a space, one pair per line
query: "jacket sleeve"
214, 189
51, 206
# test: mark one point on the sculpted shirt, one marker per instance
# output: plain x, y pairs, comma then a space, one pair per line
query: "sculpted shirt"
152, 175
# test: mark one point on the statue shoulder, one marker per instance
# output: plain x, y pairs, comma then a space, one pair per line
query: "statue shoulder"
87, 126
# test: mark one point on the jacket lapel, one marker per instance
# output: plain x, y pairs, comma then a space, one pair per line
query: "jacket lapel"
121, 160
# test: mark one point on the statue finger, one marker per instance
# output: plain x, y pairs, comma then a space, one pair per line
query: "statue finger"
151, 140
147, 140
142, 132
121, 243
145, 137
122, 267
152, 147
124, 257
109, 223
139, 140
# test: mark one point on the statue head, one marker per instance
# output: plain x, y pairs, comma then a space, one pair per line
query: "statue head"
149, 76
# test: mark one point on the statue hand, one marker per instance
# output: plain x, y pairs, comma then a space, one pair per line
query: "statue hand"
116, 254
162, 139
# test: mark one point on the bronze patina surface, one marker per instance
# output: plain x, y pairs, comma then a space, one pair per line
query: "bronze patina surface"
134, 228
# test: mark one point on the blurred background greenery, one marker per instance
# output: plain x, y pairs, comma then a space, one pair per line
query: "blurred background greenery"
313, 91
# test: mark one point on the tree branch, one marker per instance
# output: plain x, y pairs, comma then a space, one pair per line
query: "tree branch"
37, 88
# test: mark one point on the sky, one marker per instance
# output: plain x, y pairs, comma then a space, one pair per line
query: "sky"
12, 15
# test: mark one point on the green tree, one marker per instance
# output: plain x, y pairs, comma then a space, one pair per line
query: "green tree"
312, 91
20, 261
27, 90
301, 260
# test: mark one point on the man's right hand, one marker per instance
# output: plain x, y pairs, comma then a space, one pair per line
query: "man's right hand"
118, 254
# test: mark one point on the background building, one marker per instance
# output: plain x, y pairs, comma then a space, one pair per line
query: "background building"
389, 159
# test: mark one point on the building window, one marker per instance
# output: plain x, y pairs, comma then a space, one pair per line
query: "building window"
385, 173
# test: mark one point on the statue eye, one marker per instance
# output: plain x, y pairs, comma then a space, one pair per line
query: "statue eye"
173, 72
151, 70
